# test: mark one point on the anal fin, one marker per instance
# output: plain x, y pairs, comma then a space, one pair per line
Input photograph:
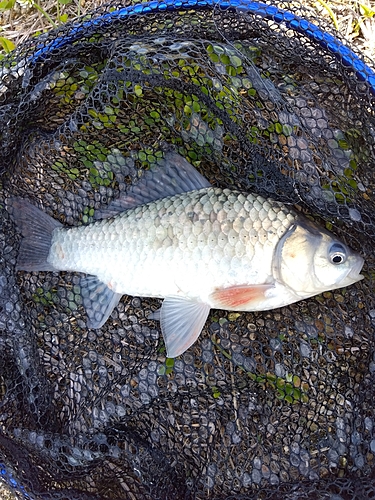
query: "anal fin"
98, 300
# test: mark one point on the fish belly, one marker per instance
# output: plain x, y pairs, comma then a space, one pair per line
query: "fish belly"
185, 245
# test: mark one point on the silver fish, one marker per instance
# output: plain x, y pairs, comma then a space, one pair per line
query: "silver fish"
174, 236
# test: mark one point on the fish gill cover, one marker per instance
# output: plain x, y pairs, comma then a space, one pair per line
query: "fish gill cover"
267, 405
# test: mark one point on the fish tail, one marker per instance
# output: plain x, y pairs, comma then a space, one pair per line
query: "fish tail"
36, 228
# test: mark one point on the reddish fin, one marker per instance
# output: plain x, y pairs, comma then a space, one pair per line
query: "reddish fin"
236, 297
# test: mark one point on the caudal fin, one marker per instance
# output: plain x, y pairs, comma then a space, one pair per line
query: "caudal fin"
36, 228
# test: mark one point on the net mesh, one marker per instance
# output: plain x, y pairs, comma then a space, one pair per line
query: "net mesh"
270, 405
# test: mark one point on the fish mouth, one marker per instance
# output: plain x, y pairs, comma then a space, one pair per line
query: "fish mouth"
354, 273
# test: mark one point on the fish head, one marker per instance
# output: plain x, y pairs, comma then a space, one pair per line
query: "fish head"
310, 260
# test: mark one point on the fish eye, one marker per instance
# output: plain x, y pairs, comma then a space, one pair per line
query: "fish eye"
337, 254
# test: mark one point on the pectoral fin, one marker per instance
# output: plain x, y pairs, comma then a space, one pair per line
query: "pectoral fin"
98, 300
236, 297
181, 323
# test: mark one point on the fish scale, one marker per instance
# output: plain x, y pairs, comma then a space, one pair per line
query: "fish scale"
155, 239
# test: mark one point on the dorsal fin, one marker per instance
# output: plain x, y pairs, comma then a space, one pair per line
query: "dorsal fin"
169, 176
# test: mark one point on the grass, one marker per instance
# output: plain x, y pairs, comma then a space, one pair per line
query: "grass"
20, 19
354, 19
6, 493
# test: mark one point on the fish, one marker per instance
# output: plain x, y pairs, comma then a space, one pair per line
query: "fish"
174, 236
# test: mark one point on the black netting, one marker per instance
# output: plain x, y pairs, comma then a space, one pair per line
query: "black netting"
267, 405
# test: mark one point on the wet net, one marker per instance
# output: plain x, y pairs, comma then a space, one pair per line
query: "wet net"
269, 405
